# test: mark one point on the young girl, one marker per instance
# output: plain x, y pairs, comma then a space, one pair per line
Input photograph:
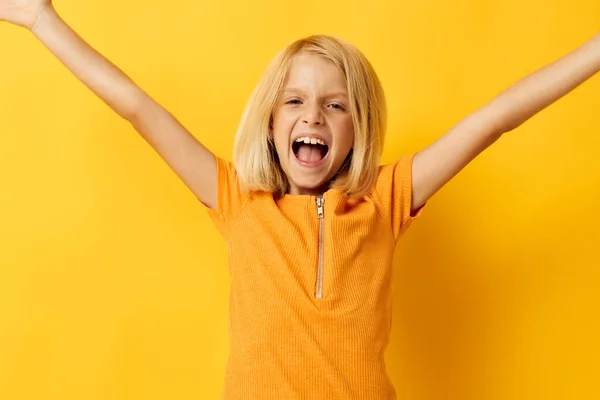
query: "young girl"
310, 217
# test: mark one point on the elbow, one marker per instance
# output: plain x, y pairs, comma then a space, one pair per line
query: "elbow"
131, 105
498, 121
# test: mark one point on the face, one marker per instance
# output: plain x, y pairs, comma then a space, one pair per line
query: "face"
312, 124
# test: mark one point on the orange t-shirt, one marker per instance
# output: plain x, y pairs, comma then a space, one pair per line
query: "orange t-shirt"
311, 301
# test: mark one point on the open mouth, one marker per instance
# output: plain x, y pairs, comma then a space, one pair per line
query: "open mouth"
309, 151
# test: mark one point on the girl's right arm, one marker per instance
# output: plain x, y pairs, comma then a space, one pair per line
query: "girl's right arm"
194, 164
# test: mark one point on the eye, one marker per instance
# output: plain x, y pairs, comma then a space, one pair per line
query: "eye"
336, 106
293, 101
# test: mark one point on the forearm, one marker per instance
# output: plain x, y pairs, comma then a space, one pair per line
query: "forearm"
538, 90
106, 80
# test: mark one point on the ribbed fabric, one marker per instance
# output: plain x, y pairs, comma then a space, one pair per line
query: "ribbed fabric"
285, 343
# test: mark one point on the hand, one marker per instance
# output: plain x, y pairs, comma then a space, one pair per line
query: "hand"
24, 13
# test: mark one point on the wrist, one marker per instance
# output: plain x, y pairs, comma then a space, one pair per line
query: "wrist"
43, 15
595, 43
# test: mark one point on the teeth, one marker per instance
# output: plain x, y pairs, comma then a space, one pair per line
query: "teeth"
308, 140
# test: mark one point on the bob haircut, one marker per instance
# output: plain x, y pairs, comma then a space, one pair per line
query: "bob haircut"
254, 154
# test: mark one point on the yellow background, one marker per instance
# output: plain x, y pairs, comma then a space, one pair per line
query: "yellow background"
114, 283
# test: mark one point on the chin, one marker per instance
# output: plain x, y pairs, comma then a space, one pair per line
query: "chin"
309, 184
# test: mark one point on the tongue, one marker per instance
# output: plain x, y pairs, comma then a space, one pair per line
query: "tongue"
309, 153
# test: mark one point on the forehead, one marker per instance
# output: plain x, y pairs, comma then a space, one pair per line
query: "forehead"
313, 73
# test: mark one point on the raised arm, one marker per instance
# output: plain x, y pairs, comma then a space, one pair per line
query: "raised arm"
437, 164
188, 158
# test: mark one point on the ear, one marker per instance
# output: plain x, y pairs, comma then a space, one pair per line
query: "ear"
271, 126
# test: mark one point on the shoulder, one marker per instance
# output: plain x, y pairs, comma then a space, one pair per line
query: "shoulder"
393, 176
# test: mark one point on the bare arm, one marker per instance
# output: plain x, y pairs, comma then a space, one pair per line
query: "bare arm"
192, 162
101, 76
437, 164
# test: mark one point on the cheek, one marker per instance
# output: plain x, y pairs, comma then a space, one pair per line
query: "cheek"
280, 135
276, 117
282, 127
346, 132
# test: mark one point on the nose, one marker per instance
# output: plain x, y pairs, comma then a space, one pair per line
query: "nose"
313, 115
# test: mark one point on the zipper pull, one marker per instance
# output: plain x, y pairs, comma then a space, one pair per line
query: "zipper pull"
320, 201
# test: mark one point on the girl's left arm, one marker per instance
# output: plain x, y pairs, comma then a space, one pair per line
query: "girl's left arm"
434, 166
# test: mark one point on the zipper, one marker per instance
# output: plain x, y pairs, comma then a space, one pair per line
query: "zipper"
320, 201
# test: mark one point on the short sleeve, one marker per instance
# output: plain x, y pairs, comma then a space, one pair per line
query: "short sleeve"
393, 193
230, 196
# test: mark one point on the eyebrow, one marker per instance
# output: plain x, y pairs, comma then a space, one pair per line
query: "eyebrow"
298, 90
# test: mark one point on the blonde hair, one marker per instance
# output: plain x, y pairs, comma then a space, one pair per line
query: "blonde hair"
254, 154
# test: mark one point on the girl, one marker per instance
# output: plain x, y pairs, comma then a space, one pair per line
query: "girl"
310, 217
